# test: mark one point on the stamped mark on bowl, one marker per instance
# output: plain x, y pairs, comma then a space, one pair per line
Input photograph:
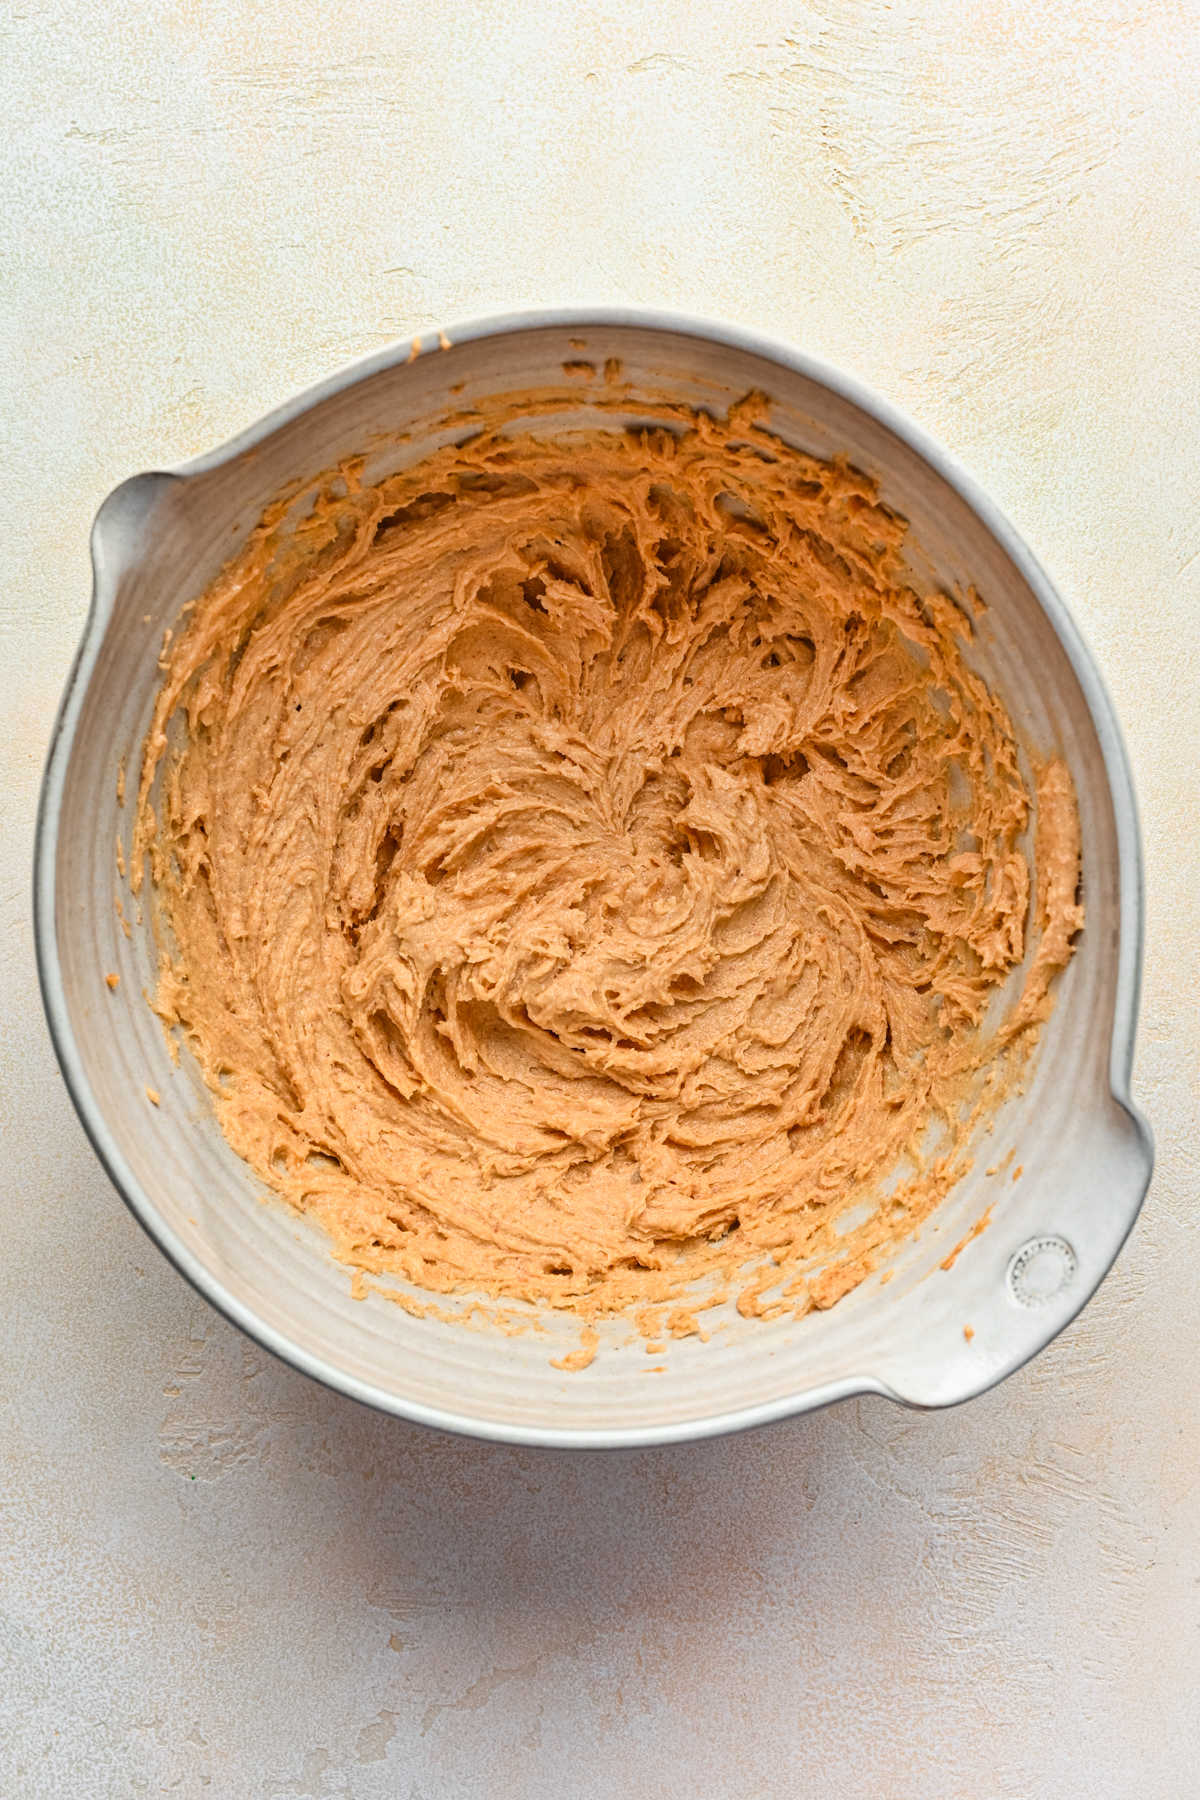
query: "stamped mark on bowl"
1040, 1270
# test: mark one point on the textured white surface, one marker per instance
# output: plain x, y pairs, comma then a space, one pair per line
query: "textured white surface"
216, 1578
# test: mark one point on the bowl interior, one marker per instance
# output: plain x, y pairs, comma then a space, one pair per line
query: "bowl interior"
1084, 1157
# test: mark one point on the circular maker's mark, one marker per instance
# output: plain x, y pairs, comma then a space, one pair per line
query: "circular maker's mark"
1040, 1270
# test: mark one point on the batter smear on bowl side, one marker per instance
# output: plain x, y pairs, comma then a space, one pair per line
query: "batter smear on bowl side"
584, 864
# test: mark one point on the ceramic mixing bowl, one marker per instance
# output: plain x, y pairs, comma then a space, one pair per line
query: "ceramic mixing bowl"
1084, 1151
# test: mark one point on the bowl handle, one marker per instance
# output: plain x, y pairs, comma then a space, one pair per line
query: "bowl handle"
119, 537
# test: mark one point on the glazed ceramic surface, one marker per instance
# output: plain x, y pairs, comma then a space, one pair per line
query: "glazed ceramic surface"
933, 1335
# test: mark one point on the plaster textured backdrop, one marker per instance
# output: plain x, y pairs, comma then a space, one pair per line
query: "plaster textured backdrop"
218, 1579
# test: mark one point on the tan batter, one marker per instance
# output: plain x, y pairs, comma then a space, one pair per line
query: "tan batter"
587, 867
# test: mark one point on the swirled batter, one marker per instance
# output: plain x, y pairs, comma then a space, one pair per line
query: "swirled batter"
587, 865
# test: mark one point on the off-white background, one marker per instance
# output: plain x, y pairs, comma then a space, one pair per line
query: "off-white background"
218, 1579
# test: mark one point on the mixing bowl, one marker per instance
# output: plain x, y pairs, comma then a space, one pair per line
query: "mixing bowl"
945, 1326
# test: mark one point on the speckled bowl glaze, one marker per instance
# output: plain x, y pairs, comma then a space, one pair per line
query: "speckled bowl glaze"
933, 1335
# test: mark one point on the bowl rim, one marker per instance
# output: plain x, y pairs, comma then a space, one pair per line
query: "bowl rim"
1100, 707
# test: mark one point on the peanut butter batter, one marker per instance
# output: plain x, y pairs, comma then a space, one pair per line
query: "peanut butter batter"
586, 867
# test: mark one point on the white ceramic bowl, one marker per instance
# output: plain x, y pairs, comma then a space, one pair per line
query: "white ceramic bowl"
1086, 1153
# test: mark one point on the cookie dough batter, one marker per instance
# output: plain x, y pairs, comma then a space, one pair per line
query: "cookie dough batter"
587, 864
